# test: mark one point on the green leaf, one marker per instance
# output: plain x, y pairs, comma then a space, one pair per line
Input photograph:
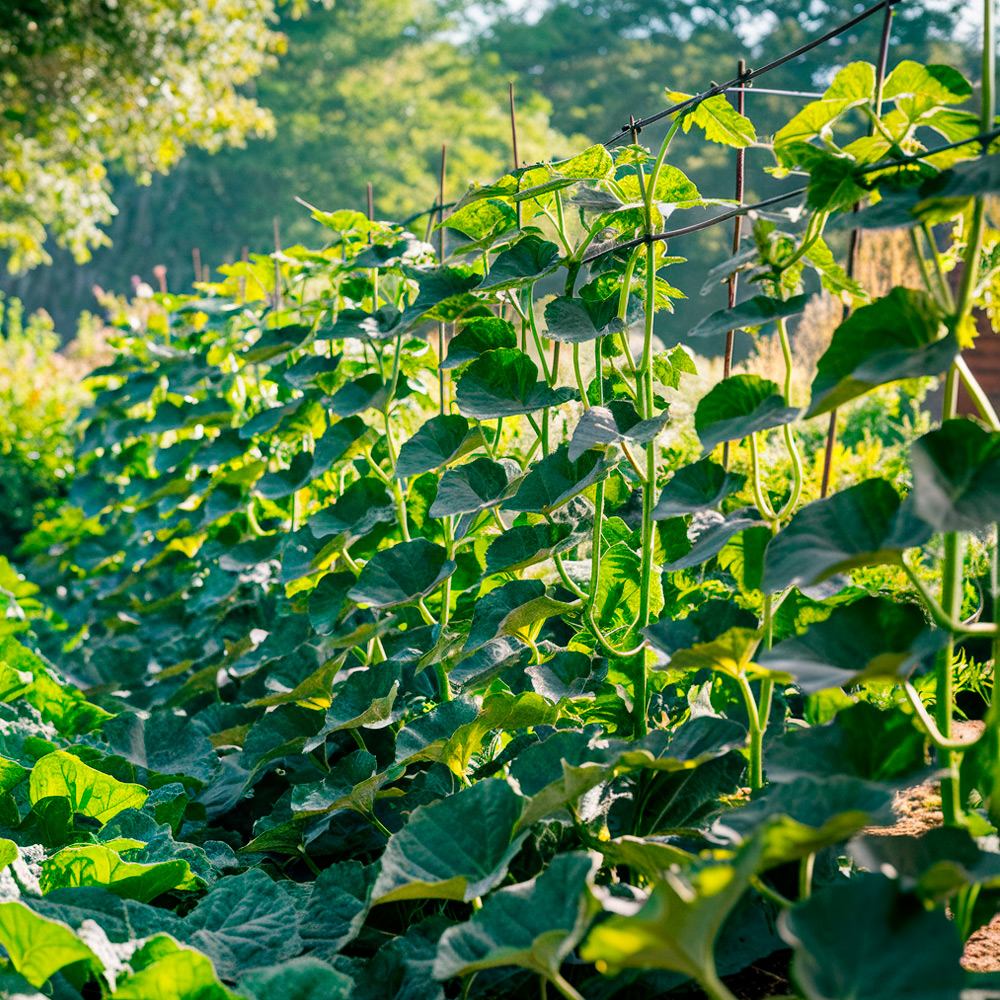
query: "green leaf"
368, 392
573, 320
936, 864
485, 333
352, 783
861, 740
793, 820
509, 609
898, 950
873, 637
524, 263
37, 947
594, 163
246, 922
941, 84
363, 698
618, 594
853, 86
739, 406
89, 792
555, 479
730, 654
475, 486
677, 926
440, 441
896, 337
534, 925
697, 487
956, 476
863, 525
523, 545
755, 312
501, 712
338, 905
483, 665
356, 511
555, 773
719, 119
705, 624
711, 541
504, 383
458, 848
274, 343
482, 217
304, 978
604, 425
92, 864
163, 970
401, 574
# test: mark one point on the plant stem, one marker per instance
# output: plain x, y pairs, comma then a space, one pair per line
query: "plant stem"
951, 600
806, 866
756, 733
710, 982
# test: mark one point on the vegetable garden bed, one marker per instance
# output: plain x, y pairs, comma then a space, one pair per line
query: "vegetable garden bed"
396, 643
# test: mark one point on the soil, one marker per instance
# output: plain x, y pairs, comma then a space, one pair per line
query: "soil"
919, 809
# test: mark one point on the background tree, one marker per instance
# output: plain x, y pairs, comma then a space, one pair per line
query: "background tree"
369, 89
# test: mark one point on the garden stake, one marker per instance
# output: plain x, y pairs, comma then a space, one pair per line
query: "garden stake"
245, 258
196, 260
441, 333
727, 365
855, 243
277, 267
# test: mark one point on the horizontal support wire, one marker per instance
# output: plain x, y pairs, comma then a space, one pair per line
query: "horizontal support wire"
778, 93
721, 88
984, 138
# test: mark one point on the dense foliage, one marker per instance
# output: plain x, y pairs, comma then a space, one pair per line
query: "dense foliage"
416, 672
91, 83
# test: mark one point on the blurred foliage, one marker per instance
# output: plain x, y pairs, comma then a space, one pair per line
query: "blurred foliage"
41, 395
88, 83
370, 89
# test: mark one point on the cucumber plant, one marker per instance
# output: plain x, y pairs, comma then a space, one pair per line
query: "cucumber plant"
415, 664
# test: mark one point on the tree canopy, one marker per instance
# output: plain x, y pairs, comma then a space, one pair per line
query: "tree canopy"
133, 83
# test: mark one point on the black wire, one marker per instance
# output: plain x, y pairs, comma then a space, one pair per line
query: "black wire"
737, 81
984, 138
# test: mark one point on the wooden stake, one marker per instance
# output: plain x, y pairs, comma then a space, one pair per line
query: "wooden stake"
196, 260
277, 267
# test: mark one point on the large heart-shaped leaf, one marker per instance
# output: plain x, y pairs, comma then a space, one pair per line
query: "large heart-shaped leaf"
676, 927
475, 486
356, 511
720, 121
800, 817
739, 406
896, 337
873, 637
534, 925
440, 441
401, 574
529, 259
485, 333
604, 425
956, 476
458, 848
504, 383
578, 320
38, 948
555, 479
754, 312
510, 608
711, 541
696, 487
89, 792
899, 949
862, 525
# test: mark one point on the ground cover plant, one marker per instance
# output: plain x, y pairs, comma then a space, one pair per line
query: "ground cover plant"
369, 659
